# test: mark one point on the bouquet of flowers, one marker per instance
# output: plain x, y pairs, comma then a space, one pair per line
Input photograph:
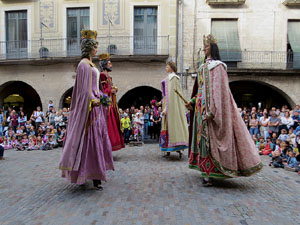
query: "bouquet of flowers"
105, 100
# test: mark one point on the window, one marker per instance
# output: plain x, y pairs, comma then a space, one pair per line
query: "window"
293, 41
77, 19
16, 34
145, 30
227, 35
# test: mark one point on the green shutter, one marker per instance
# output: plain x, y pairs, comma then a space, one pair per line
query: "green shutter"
226, 32
294, 40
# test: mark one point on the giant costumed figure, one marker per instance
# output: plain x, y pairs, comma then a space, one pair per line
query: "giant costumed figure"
87, 152
220, 144
113, 116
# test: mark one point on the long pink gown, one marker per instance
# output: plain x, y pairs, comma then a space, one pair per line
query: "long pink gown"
87, 152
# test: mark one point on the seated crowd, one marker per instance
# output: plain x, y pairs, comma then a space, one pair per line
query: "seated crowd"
276, 133
41, 131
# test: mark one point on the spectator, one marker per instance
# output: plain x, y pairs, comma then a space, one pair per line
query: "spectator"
277, 160
1, 122
247, 121
22, 119
283, 136
126, 127
286, 121
291, 162
264, 127
38, 116
151, 123
1, 149
274, 122
13, 119
146, 120
59, 122
296, 118
253, 125
50, 105
39, 143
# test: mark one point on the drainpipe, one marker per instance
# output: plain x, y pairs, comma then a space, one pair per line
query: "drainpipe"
181, 42
177, 26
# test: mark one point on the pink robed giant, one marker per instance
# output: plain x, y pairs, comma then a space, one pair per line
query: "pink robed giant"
221, 147
87, 152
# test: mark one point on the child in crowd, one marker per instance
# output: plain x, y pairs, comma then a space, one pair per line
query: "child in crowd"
28, 126
31, 131
23, 145
31, 144
19, 132
14, 142
283, 136
7, 143
292, 137
39, 143
260, 146
276, 160
50, 144
268, 148
291, 162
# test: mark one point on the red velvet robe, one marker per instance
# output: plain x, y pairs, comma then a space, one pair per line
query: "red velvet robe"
113, 117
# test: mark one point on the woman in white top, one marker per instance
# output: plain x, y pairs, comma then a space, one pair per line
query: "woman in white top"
264, 127
286, 121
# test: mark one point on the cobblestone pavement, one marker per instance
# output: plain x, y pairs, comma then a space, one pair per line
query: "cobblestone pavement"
145, 188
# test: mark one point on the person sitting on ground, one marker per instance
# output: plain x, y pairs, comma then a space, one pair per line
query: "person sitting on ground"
291, 162
268, 148
24, 143
19, 132
260, 146
283, 136
6, 143
276, 160
14, 142
39, 143
31, 131
31, 144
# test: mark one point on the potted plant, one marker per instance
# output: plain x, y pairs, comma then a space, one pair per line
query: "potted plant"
112, 49
44, 52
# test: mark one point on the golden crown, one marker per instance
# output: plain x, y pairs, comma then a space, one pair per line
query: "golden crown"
209, 39
104, 56
90, 34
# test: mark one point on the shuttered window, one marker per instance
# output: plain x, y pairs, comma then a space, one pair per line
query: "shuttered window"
227, 35
294, 40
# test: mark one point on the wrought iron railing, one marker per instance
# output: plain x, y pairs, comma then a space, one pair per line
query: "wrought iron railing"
118, 45
259, 59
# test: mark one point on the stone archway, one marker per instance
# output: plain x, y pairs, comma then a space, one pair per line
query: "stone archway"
65, 100
31, 98
139, 96
248, 93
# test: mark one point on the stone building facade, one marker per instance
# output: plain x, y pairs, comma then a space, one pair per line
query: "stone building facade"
258, 40
40, 45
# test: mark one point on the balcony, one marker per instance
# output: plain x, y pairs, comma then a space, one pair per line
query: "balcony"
292, 3
263, 60
70, 48
225, 2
